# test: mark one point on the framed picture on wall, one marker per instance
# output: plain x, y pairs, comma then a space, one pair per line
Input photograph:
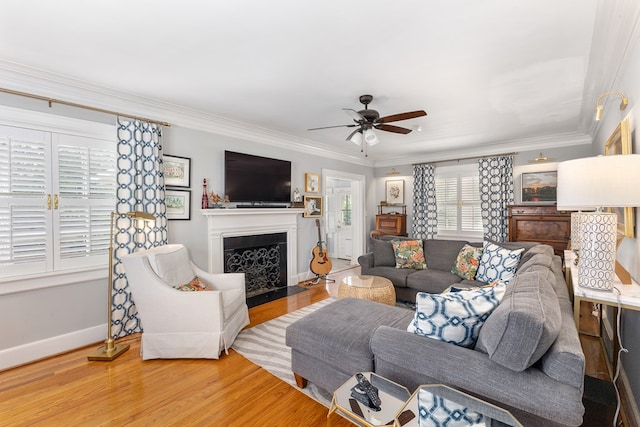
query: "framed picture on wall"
312, 206
539, 187
311, 182
178, 204
177, 171
620, 143
394, 190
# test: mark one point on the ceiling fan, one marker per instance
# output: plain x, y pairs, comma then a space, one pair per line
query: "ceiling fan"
367, 120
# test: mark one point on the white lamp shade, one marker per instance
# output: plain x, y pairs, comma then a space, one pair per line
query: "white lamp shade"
356, 138
370, 137
603, 181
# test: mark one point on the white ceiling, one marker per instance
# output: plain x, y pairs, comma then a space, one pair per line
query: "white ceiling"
493, 75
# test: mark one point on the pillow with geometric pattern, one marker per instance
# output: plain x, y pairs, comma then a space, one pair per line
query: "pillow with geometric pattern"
196, 284
467, 262
497, 263
455, 317
409, 254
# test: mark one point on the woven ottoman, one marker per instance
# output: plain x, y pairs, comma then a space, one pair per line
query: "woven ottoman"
331, 344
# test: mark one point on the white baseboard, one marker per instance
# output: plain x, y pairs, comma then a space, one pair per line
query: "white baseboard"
30, 352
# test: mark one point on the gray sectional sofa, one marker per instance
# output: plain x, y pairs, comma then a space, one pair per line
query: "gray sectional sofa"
527, 359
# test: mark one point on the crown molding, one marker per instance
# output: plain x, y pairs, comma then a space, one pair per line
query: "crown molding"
30, 80
527, 144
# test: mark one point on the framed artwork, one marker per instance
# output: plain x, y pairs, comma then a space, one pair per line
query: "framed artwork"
312, 206
177, 171
394, 190
178, 204
539, 187
620, 143
311, 182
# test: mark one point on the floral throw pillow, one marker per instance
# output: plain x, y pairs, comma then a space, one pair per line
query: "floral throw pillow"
409, 254
467, 262
196, 284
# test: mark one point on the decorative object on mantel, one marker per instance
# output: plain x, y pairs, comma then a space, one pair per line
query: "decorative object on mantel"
216, 200
596, 182
599, 107
110, 350
205, 198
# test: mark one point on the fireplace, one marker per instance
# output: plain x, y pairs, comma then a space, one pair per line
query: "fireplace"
225, 223
263, 259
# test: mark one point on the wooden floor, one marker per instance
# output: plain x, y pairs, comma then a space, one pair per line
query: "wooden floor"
67, 390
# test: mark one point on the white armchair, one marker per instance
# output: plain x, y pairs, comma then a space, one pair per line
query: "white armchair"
178, 324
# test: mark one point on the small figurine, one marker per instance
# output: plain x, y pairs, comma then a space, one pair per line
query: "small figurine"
205, 200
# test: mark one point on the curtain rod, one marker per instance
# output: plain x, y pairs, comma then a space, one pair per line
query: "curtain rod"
466, 158
86, 107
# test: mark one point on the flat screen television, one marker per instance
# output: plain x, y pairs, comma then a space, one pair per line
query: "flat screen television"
249, 178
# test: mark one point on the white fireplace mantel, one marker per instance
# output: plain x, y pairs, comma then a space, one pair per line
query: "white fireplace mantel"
223, 223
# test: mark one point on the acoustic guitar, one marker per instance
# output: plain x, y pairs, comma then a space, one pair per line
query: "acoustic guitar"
320, 263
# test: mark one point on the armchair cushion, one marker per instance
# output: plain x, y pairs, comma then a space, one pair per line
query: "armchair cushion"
174, 268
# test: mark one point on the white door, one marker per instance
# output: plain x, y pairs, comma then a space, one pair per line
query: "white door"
343, 223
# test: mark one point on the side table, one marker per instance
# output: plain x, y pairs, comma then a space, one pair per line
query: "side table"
372, 288
624, 296
392, 395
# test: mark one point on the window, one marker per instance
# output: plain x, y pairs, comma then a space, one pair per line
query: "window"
458, 198
346, 209
57, 191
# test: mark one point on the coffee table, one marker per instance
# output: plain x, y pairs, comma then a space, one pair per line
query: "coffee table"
392, 395
437, 404
372, 288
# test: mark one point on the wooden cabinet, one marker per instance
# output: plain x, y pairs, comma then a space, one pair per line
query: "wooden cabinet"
540, 223
394, 223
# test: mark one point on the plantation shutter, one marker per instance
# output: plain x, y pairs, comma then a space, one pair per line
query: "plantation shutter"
86, 183
56, 195
25, 223
458, 196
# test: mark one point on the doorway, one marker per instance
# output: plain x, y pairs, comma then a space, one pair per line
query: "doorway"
344, 224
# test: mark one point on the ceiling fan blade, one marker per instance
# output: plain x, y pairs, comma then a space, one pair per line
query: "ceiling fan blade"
394, 129
402, 116
339, 126
354, 114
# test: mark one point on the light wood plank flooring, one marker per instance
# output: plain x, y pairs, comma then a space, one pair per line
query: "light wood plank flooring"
67, 390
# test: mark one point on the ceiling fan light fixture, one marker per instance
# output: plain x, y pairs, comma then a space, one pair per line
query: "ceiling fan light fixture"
356, 138
370, 137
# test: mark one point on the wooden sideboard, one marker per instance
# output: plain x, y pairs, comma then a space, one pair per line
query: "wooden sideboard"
394, 223
540, 223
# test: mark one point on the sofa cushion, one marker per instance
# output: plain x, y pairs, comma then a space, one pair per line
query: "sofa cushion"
383, 255
525, 324
440, 254
398, 276
497, 263
409, 254
431, 281
467, 262
455, 317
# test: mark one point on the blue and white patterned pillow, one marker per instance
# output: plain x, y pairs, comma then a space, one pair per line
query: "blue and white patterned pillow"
435, 411
497, 263
455, 317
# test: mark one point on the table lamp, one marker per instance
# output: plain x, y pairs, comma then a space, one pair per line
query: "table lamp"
595, 183
110, 350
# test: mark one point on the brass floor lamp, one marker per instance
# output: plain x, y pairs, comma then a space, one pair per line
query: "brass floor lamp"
110, 350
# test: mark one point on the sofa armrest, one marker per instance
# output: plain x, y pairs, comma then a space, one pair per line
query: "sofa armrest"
413, 360
366, 261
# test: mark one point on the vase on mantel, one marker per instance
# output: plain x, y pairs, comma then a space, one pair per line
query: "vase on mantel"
205, 197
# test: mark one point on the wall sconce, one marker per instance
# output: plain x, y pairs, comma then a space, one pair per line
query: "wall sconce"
623, 103
594, 183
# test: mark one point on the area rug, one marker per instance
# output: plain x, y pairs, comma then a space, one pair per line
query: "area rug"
264, 345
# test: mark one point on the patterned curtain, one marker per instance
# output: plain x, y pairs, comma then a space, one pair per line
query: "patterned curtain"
425, 216
140, 183
496, 192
